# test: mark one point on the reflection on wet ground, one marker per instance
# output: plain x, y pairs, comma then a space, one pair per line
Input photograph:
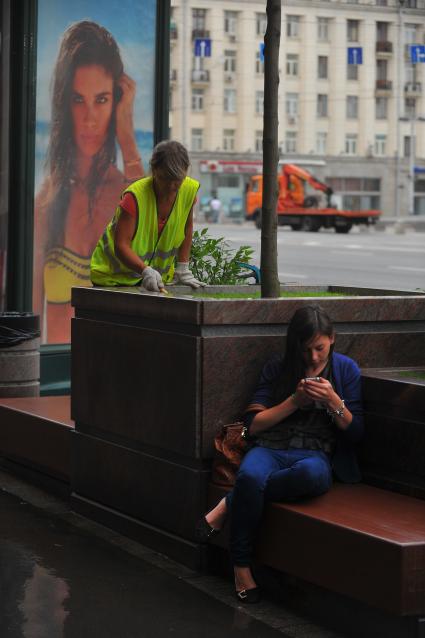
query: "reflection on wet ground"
59, 581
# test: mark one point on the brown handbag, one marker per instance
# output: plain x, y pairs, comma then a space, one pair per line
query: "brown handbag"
230, 449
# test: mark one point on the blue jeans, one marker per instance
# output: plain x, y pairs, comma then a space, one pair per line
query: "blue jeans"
271, 475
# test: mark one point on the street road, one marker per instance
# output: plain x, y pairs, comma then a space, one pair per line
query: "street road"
366, 257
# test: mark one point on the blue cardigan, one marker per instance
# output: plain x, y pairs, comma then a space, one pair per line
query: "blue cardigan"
347, 381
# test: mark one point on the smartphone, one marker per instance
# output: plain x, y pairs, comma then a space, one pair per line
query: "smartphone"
312, 379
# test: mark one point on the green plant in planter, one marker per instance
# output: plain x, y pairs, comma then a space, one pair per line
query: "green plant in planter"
214, 262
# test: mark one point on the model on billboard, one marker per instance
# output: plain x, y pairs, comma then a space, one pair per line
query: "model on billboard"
92, 109
152, 227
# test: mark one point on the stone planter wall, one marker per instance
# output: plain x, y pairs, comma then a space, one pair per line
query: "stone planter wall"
393, 450
154, 377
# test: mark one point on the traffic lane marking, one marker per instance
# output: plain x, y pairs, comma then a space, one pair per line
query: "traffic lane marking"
344, 252
414, 268
292, 274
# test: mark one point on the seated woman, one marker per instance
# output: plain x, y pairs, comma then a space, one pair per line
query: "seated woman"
305, 417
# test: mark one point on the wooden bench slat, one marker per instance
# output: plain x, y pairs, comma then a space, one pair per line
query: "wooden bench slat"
368, 510
357, 540
55, 408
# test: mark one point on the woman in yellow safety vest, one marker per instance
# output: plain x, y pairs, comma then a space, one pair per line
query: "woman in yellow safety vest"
151, 228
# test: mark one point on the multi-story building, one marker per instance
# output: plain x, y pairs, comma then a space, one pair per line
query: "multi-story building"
351, 95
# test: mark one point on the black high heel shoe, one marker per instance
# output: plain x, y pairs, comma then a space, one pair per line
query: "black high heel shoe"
204, 531
249, 596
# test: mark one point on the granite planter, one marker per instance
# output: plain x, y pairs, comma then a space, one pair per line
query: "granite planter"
154, 377
393, 450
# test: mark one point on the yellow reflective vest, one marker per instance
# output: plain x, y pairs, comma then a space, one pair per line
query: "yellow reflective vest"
105, 267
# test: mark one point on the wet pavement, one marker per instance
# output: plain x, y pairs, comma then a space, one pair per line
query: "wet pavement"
62, 576
58, 581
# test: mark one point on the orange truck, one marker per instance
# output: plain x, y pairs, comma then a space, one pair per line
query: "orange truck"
301, 211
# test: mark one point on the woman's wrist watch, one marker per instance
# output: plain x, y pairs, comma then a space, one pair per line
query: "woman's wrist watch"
339, 411
245, 433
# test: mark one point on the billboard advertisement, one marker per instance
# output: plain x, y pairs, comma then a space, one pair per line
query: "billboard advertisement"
94, 135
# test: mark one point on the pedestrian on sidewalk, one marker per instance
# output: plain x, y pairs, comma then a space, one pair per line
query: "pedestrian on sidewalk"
215, 209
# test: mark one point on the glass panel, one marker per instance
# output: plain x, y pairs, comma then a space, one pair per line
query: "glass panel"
94, 135
370, 184
4, 146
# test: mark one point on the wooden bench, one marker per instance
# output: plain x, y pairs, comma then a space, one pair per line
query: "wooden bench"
35, 439
357, 540
365, 541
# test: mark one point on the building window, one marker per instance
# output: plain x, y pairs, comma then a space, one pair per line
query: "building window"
381, 108
258, 141
352, 71
380, 145
292, 64
411, 4
230, 61
381, 3
321, 142
382, 31
259, 102
407, 145
259, 64
381, 70
351, 144
229, 105
291, 104
323, 29
352, 30
229, 139
197, 139
230, 22
290, 142
410, 107
197, 99
358, 193
198, 19
322, 67
352, 107
292, 26
260, 24
410, 33
322, 105
198, 64
411, 73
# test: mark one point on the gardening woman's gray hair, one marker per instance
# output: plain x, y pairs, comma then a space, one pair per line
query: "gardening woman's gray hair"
171, 158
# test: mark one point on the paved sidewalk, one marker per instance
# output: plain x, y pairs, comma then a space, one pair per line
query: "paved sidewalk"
62, 576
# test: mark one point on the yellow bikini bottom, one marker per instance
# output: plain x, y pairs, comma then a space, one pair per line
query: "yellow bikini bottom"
62, 270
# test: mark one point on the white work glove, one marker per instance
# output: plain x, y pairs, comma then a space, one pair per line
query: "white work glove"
182, 275
151, 280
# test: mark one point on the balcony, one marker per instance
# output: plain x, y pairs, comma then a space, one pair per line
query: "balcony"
413, 89
229, 77
383, 88
199, 76
384, 49
200, 33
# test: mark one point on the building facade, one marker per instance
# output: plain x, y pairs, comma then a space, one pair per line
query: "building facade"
351, 95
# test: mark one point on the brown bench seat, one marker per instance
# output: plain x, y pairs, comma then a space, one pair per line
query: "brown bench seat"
35, 437
357, 540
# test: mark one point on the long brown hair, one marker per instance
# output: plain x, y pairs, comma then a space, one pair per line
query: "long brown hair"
84, 43
307, 322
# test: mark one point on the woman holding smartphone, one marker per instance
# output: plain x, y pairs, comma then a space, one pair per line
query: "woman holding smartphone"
304, 419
